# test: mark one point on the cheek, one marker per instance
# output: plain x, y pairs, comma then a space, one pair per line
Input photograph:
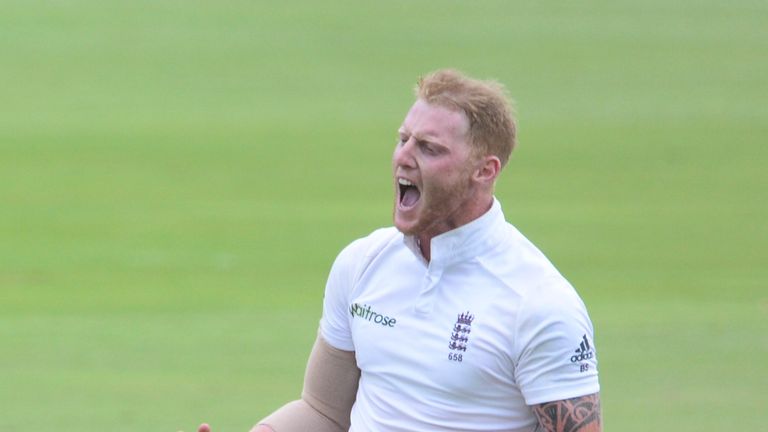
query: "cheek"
441, 184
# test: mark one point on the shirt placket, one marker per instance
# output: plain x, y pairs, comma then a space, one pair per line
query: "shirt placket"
431, 281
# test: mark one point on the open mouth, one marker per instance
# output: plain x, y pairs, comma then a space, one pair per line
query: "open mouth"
409, 193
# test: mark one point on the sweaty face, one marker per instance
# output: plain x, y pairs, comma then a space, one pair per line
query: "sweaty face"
432, 166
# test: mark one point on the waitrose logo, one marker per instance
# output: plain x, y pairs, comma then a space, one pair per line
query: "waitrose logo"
365, 312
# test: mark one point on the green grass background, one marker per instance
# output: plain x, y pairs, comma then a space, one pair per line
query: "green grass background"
176, 178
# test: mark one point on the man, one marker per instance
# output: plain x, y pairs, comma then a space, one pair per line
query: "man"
451, 320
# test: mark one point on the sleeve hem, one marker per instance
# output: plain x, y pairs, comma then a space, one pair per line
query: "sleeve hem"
536, 397
343, 344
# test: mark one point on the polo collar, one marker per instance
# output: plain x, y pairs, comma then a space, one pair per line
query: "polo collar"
465, 242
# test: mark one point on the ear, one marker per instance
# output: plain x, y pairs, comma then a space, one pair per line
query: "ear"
488, 169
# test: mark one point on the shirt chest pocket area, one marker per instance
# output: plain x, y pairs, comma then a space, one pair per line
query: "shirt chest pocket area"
447, 358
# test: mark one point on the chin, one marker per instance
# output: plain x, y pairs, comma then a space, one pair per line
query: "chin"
405, 227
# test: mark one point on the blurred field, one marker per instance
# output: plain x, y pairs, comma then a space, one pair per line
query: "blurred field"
177, 177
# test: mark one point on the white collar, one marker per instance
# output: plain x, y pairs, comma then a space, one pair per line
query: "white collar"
464, 242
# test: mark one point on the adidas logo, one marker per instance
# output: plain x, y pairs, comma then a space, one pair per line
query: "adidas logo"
583, 352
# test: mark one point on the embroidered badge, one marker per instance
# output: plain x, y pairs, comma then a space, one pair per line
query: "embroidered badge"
460, 336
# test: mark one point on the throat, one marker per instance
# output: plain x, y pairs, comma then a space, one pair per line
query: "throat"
424, 247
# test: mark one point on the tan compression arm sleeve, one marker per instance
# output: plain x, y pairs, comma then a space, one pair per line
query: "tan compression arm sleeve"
330, 387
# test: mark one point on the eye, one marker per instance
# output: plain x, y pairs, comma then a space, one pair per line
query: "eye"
427, 148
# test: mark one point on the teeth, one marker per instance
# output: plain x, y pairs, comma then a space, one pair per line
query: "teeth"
404, 182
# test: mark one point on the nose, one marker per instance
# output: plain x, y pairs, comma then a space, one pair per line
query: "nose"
403, 155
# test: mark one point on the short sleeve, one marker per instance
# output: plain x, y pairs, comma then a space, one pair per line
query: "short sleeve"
334, 324
555, 345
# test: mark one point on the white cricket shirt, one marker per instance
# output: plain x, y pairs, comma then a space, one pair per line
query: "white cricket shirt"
464, 342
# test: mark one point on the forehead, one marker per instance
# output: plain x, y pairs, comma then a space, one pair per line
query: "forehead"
435, 123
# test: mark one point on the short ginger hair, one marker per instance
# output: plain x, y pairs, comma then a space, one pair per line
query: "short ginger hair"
492, 124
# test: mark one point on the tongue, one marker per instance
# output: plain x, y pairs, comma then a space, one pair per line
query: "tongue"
410, 196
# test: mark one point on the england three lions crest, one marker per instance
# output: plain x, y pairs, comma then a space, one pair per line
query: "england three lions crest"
461, 331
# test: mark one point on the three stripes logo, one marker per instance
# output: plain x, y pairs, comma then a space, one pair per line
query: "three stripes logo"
583, 352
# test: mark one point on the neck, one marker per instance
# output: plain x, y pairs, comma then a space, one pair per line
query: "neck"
424, 240
424, 243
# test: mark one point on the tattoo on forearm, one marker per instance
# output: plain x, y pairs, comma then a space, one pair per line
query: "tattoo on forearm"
581, 414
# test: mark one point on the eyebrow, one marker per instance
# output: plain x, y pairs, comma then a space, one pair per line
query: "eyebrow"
430, 138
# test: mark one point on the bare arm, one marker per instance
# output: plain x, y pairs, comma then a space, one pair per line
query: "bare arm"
330, 387
581, 414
